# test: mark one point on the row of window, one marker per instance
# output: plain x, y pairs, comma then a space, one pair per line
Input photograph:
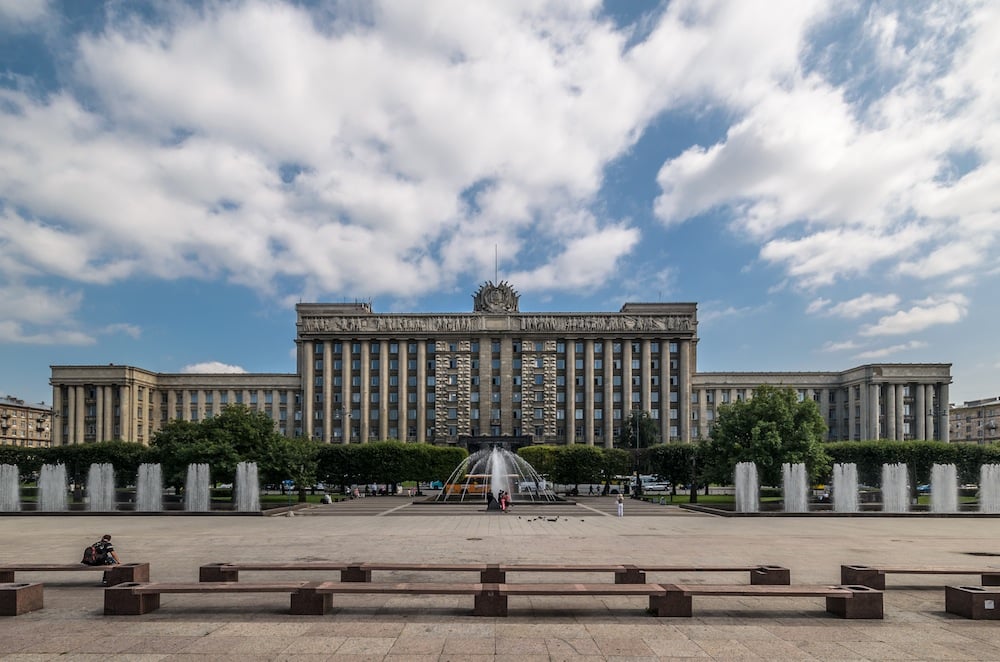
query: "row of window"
517, 346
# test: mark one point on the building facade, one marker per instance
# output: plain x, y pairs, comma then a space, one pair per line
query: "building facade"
495, 372
23, 424
976, 421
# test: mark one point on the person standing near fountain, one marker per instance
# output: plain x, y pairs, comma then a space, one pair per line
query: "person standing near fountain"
621, 505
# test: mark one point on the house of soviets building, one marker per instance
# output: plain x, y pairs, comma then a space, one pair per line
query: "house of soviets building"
546, 377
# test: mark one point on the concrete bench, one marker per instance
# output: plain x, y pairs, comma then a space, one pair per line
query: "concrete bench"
497, 606
764, 575
975, 602
17, 599
844, 601
116, 574
874, 575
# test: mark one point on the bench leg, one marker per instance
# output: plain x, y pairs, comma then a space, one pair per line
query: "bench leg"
863, 575
673, 604
17, 599
864, 603
127, 572
121, 601
355, 573
491, 602
988, 579
307, 602
631, 575
6, 576
973, 602
218, 572
492, 575
771, 575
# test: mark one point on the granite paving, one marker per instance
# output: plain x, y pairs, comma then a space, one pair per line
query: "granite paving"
393, 627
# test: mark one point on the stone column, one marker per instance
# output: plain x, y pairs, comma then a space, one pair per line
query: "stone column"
929, 410
703, 411
365, 390
70, 415
588, 391
664, 390
852, 405
383, 390
506, 385
626, 378
328, 421
944, 431
824, 407
646, 384
404, 404
81, 412
684, 385
890, 412
422, 390
345, 390
101, 419
485, 384
570, 391
275, 405
308, 356
609, 392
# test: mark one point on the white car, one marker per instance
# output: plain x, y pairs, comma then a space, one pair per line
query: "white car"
656, 487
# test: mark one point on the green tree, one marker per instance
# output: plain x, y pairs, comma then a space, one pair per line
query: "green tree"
638, 426
677, 463
771, 428
614, 462
577, 463
541, 457
291, 459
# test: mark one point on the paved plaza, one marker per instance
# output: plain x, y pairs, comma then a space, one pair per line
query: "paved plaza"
259, 627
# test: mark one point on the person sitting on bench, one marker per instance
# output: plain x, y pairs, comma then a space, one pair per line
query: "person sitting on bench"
103, 554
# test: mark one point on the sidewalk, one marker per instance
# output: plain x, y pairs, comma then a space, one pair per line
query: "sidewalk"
258, 627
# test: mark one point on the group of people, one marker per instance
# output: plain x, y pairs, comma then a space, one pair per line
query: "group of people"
504, 498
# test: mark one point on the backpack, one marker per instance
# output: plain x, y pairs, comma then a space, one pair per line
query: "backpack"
91, 555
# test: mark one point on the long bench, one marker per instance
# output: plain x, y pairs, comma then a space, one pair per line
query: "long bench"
844, 601
874, 575
489, 572
116, 574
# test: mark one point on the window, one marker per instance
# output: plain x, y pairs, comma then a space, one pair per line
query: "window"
539, 380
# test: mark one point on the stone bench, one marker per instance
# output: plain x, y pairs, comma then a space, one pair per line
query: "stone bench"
874, 575
489, 572
17, 599
764, 575
975, 602
116, 574
844, 601
134, 598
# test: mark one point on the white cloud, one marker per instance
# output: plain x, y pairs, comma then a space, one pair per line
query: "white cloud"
836, 171
843, 346
709, 313
817, 306
887, 351
130, 330
866, 303
18, 15
947, 309
39, 316
212, 367
584, 262
14, 332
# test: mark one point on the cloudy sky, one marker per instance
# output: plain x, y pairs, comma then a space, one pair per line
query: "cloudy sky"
822, 178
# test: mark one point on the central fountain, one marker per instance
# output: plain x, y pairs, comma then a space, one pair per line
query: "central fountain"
747, 488
490, 470
10, 490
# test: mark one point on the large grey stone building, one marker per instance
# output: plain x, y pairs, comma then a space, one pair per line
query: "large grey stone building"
494, 372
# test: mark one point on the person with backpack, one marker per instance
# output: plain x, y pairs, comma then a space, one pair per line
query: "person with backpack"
101, 552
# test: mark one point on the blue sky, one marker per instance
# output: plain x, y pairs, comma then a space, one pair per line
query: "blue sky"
822, 178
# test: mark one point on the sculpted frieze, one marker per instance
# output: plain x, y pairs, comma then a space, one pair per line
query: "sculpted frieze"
477, 323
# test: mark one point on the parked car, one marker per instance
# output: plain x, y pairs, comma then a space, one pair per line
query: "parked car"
656, 487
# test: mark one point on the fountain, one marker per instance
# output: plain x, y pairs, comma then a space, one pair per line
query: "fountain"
895, 488
101, 487
747, 490
845, 488
247, 496
795, 484
196, 494
491, 470
52, 488
10, 491
149, 488
944, 488
989, 488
